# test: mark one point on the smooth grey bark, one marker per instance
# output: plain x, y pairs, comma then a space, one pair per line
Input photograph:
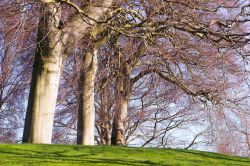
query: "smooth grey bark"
86, 110
53, 43
86, 101
123, 87
45, 78
118, 129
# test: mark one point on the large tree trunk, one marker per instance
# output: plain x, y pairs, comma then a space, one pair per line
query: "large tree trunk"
121, 108
45, 79
86, 112
118, 130
123, 88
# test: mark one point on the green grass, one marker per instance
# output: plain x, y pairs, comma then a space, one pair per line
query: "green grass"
26, 154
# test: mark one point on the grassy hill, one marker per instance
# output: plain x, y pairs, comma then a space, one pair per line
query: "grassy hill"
26, 154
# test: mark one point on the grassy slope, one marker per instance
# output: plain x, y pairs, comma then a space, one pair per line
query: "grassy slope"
22, 154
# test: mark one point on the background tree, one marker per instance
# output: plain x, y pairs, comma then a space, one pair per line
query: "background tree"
16, 37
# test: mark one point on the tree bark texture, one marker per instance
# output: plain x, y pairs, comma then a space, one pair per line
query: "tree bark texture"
123, 87
86, 112
45, 79
118, 129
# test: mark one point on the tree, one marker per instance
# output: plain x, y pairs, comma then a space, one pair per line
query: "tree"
54, 42
16, 36
86, 112
160, 62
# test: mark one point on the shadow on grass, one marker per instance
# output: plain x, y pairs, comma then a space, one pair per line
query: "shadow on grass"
214, 156
86, 155
59, 157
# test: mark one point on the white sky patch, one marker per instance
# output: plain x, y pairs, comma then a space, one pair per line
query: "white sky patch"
172, 105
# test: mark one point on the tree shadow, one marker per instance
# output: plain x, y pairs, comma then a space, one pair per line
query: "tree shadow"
34, 157
214, 155
79, 155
